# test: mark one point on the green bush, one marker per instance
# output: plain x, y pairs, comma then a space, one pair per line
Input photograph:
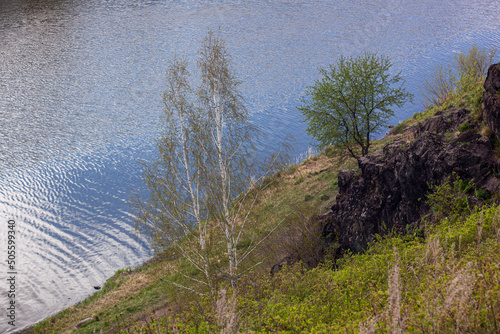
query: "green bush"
449, 200
398, 128
482, 194
462, 83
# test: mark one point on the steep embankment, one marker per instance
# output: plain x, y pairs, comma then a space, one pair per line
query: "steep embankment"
443, 279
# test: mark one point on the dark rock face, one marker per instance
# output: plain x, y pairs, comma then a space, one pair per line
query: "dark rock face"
491, 99
390, 186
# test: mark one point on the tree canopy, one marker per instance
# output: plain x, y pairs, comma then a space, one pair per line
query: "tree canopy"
353, 101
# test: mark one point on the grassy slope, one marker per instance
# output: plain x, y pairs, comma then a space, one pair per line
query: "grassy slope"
447, 282
132, 296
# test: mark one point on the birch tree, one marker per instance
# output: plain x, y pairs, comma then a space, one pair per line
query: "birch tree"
206, 180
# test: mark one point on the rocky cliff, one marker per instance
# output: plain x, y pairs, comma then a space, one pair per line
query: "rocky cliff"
390, 186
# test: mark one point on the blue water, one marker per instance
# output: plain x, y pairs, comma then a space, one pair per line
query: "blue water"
80, 99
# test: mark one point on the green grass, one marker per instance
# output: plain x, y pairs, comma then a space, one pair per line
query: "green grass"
446, 283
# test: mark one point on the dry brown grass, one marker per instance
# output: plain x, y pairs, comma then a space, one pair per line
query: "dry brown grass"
394, 306
133, 284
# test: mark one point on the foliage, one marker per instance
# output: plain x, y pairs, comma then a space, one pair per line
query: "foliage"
447, 284
476, 62
352, 102
449, 200
464, 127
468, 70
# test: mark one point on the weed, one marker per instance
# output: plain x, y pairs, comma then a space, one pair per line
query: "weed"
449, 200
464, 127
299, 180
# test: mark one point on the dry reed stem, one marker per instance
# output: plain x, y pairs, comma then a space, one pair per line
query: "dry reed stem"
458, 294
368, 327
394, 280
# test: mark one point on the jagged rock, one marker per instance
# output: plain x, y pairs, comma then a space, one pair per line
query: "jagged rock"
492, 82
390, 186
491, 100
441, 122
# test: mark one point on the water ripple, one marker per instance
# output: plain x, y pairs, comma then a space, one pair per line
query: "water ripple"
80, 96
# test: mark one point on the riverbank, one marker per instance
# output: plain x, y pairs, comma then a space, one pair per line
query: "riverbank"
441, 274
133, 295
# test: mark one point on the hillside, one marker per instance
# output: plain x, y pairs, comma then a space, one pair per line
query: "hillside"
404, 240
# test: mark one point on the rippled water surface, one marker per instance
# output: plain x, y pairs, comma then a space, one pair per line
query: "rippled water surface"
80, 97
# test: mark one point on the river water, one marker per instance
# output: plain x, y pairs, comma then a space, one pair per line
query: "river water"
80, 99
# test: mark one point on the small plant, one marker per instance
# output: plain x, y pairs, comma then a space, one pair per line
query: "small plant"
482, 194
460, 82
398, 128
475, 62
465, 186
464, 127
299, 180
449, 200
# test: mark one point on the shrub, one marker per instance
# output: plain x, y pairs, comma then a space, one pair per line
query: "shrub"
468, 70
449, 200
353, 101
482, 194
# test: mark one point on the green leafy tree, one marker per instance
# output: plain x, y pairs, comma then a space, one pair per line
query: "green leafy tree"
352, 102
206, 178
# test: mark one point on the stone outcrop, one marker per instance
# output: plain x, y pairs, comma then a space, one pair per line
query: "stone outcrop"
491, 100
389, 188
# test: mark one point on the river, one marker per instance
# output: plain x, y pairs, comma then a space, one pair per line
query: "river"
80, 99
